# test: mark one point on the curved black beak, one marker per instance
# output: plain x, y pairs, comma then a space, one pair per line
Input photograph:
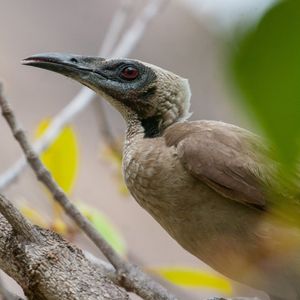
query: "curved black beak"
70, 65
85, 69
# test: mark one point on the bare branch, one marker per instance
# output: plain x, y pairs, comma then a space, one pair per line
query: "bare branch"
104, 267
130, 277
85, 96
52, 268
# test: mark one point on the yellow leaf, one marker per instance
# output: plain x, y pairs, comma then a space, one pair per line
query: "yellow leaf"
194, 278
61, 158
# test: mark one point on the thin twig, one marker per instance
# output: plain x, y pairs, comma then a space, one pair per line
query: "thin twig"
130, 277
85, 96
115, 28
104, 267
175, 289
132, 36
45, 177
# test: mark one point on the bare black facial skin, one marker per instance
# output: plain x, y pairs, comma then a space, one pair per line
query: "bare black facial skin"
128, 81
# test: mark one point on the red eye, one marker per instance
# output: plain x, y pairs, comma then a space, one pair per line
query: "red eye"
130, 73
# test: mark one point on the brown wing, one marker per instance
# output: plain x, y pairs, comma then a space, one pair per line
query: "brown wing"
225, 157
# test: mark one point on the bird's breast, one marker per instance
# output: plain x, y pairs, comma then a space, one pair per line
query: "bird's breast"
154, 175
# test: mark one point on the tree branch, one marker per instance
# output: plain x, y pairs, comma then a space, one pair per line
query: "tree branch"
49, 268
109, 271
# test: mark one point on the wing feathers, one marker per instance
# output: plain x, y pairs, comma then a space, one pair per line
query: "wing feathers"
225, 157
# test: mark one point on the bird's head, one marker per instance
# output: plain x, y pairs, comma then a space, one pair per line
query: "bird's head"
156, 97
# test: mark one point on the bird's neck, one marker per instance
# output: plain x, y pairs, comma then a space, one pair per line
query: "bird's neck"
150, 127
135, 128
174, 107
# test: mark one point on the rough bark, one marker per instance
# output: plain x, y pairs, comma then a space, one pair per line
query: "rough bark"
51, 268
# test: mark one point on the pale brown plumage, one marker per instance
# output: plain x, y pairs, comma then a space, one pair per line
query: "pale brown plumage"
225, 226
209, 184
229, 164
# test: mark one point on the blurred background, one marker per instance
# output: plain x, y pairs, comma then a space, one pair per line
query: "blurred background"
190, 37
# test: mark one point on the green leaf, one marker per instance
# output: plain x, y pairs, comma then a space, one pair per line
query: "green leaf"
266, 67
104, 227
62, 157
194, 278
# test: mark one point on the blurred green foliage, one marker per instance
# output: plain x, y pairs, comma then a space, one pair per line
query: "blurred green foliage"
266, 68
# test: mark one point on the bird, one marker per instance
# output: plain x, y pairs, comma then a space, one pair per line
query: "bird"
209, 184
